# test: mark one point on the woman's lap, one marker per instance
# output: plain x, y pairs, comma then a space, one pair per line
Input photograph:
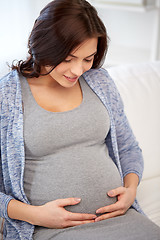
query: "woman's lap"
130, 226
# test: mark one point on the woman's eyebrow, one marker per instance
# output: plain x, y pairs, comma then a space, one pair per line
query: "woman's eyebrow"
85, 57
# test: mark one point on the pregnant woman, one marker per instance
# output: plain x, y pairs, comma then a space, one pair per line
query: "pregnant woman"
70, 164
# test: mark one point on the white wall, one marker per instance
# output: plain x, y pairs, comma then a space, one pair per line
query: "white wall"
16, 20
132, 35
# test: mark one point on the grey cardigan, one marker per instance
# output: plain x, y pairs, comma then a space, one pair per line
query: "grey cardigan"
122, 145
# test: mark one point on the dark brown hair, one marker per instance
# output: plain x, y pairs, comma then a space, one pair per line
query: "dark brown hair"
60, 28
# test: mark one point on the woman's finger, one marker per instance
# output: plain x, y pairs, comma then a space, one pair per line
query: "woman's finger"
80, 216
109, 215
76, 223
67, 201
116, 191
110, 208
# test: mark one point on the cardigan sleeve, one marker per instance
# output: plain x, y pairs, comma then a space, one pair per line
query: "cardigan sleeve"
130, 154
4, 200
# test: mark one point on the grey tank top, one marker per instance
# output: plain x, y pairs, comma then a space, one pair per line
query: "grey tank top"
65, 153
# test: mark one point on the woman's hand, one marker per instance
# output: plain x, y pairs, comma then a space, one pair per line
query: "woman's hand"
54, 215
125, 198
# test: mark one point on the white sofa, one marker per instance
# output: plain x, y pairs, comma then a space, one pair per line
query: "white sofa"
139, 86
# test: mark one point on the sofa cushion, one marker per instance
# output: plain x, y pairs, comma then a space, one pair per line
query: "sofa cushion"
148, 195
139, 86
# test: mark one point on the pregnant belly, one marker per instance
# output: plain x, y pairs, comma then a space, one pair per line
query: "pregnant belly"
87, 174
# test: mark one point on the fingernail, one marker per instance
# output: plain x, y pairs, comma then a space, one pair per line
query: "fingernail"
97, 220
111, 193
98, 211
77, 199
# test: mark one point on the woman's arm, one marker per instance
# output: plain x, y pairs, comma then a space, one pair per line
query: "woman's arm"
22, 211
131, 180
50, 215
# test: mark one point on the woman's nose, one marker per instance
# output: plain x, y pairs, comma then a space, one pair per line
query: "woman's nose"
77, 69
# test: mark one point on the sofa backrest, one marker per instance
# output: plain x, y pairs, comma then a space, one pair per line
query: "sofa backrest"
139, 86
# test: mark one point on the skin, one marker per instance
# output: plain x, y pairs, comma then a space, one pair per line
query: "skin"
60, 91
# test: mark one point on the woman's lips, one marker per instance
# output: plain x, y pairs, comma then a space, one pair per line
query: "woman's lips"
71, 79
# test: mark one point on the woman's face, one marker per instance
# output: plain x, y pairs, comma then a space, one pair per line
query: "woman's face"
79, 61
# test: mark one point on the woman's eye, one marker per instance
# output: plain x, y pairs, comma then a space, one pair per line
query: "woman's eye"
89, 60
86, 60
67, 60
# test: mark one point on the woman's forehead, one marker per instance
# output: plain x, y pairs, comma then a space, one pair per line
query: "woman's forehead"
87, 48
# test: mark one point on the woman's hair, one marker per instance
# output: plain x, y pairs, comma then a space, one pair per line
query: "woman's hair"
61, 27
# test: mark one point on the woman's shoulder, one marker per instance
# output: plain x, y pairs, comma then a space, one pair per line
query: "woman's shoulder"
11, 78
94, 73
104, 86
9, 85
100, 78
